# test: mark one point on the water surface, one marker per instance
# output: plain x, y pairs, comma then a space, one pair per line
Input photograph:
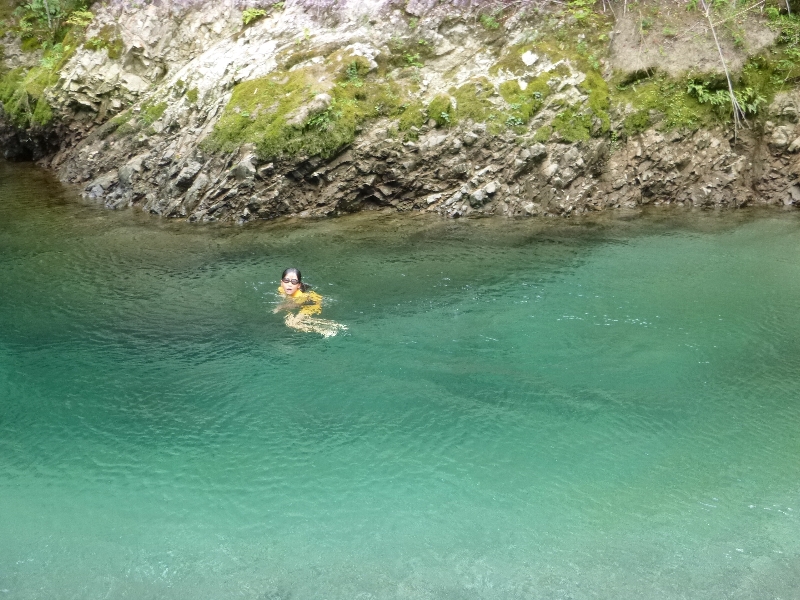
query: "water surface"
600, 409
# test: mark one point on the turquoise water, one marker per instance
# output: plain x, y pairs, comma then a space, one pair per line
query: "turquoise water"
600, 409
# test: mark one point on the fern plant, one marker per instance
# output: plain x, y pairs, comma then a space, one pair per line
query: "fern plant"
252, 14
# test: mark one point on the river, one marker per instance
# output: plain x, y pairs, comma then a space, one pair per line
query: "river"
605, 408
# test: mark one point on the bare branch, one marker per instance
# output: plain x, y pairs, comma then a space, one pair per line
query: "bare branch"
738, 112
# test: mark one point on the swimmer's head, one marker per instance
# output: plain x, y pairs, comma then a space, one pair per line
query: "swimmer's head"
291, 281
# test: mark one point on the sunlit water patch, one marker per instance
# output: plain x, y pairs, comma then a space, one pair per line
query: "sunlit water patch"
600, 409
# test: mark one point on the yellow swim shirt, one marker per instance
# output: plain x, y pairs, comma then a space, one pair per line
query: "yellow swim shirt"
310, 302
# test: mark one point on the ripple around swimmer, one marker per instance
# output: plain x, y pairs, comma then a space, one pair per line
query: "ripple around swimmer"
518, 410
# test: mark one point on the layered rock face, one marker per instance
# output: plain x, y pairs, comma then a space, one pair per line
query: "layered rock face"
201, 118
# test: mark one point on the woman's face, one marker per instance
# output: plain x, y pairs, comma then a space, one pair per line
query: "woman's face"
290, 283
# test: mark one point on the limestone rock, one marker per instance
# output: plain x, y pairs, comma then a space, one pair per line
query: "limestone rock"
245, 168
781, 136
186, 176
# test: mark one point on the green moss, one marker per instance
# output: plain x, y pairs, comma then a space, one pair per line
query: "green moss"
128, 127
259, 110
112, 125
543, 134
472, 100
151, 113
412, 115
192, 95
439, 110
107, 39
526, 103
489, 21
31, 44
583, 44
573, 125
599, 99
115, 49
407, 52
669, 97
636, 122
42, 113
9, 83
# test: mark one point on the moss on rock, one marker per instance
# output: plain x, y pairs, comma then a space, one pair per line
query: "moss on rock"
572, 125
265, 111
599, 100
107, 39
526, 102
412, 115
439, 110
472, 100
151, 113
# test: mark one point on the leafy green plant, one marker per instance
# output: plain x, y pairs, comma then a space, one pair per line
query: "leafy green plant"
80, 18
353, 75
95, 43
749, 100
46, 12
704, 95
322, 120
636, 122
250, 15
52, 55
489, 22
581, 10
413, 60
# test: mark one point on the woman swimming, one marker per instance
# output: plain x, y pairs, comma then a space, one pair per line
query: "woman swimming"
295, 294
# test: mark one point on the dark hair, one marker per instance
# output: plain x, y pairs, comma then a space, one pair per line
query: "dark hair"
303, 286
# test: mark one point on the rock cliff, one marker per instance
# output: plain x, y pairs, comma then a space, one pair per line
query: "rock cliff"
217, 111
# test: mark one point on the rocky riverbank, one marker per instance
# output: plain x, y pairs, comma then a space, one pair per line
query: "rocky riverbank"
189, 112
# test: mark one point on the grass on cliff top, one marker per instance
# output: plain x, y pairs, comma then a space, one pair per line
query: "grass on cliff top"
259, 111
699, 100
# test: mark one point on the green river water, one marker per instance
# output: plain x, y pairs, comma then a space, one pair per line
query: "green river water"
603, 409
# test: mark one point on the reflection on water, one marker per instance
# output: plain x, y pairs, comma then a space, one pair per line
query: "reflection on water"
596, 409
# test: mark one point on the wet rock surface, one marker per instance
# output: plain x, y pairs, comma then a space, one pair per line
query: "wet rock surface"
500, 175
